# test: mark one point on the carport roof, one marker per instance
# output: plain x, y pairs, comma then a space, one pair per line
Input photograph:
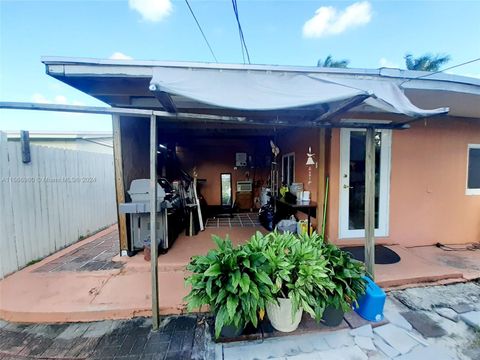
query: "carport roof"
126, 83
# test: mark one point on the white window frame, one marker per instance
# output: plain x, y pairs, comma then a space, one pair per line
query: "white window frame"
468, 191
287, 157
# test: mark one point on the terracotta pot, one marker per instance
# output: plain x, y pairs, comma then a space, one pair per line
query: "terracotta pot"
281, 315
147, 253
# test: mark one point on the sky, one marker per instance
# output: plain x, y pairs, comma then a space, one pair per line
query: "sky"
370, 34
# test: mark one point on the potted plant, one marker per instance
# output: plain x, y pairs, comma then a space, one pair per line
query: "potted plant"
298, 272
233, 281
347, 277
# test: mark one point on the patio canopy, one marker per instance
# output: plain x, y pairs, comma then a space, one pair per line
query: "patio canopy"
273, 90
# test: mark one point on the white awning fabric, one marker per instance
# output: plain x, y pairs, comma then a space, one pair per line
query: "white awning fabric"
263, 90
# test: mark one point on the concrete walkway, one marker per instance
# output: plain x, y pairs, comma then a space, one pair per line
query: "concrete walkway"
89, 282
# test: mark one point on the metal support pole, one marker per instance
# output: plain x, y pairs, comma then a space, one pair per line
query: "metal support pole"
153, 220
370, 201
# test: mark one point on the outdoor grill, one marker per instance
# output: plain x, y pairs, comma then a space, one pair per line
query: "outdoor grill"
138, 210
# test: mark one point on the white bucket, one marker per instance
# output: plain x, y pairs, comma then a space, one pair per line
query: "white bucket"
306, 196
281, 315
264, 198
296, 187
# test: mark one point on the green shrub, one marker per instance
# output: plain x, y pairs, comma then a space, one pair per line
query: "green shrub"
233, 281
297, 268
347, 276
237, 282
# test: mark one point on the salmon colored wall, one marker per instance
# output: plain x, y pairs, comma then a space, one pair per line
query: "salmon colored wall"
297, 141
427, 189
213, 157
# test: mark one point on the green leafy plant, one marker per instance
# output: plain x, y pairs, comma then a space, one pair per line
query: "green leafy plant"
297, 269
346, 275
233, 281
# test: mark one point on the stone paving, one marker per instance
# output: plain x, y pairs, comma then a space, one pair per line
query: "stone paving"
427, 327
440, 323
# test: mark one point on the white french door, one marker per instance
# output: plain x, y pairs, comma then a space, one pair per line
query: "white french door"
352, 182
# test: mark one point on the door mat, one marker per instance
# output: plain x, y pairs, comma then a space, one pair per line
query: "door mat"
383, 255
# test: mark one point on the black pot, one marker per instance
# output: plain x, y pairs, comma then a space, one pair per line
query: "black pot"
231, 331
332, 316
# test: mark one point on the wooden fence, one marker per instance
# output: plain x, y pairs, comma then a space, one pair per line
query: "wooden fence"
51, 202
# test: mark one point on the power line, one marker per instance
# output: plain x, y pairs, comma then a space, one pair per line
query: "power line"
439, 71
200, 28
234, 4
240, 32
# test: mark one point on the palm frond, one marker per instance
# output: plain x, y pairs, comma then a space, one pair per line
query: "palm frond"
427, 62
331, 63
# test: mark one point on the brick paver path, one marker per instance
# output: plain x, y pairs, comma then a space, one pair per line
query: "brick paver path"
178, 338
95, 255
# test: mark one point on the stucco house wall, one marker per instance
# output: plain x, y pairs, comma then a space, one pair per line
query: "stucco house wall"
428, 203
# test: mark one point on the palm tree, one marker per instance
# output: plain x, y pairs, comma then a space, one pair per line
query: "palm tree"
427, 62
331, 63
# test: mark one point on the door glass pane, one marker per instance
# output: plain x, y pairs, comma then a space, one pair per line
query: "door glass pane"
226, 189
356, 208
291, 169
474, 168
285, 170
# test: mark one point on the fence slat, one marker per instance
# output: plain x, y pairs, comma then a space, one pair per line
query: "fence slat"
49, 203
8, 252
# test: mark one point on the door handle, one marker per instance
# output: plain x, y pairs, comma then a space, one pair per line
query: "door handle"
347, 187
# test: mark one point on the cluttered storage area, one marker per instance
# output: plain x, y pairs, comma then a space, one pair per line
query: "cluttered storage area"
212, 178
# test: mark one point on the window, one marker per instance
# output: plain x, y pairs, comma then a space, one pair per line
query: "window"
288, 169
473, 170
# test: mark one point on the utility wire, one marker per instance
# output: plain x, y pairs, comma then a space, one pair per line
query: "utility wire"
234, 4
240, 32
200, 28
439, 71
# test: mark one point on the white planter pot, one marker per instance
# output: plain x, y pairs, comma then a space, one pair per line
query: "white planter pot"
281, 315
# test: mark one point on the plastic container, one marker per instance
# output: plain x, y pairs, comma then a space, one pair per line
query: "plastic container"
264, 196
289, 225
296, 187
302, 227
281, 316
306, 196
147, 250
332, 316
370, 305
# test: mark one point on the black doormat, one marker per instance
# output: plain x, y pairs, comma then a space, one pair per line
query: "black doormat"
383, 255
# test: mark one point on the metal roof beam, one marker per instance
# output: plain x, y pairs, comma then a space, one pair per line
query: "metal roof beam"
347, 105
188, 117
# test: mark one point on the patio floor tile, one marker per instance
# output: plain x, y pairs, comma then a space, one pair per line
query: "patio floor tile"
364, 343
339, 339
396, 337
472, 318
424, 324
435, 352
384, 347
365, 330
